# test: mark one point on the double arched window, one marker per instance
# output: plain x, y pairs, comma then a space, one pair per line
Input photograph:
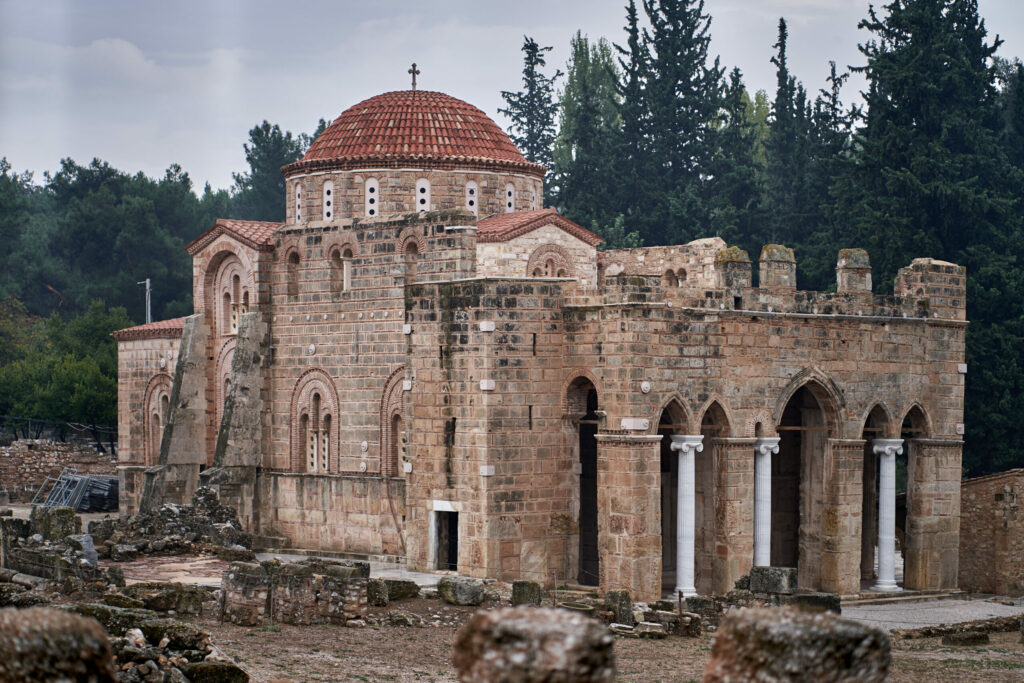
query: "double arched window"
314, 427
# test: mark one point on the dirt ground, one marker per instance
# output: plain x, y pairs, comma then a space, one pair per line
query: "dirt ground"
392, 653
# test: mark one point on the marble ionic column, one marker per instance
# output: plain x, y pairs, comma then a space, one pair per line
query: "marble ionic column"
887, 450
687, 446
764, 448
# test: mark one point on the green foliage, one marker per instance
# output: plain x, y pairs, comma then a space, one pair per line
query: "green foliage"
532, 109
260, 193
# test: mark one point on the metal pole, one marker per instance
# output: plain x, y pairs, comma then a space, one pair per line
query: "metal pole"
149, 315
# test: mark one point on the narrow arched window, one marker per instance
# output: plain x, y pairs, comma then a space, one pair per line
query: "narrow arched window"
681, 275
472, 197
328, 200
412, 251
669, 279
371, 190
293, 274
423, 195
510, 198
533, 201
227, 325
346, 270
298, 202
245, 301
236, 303
396, 447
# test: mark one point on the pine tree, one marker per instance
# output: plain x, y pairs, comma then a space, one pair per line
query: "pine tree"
532, 110
683, 96
585, 173
932, 179
260, 194
634, 63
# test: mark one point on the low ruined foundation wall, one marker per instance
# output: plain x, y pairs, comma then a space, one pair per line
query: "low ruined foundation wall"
992, 534
300, 594
25, 465
345, 513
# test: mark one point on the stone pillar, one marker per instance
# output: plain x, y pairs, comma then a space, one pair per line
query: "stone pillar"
734, 511
933, 514
629, 513
763, 450
687, 446
887, 450
840, 529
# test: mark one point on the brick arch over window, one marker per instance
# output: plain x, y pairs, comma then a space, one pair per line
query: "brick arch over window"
221, 377
549, 260
157, 403
314, 408
341, 254
219, 282
392, 424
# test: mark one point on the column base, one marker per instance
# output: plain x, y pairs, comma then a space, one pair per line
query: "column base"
690, 592
886, 587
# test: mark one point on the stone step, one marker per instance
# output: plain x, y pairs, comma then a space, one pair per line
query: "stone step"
901, 597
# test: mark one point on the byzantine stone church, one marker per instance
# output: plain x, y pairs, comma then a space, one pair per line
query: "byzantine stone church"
424, 364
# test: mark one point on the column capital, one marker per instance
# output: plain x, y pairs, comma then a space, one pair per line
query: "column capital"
887, 446
687, 442
767, 444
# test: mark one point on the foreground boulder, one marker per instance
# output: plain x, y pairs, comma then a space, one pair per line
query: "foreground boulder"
533, 644
41, 644
785, 644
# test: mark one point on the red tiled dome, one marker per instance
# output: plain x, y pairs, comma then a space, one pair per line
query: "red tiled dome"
419, 126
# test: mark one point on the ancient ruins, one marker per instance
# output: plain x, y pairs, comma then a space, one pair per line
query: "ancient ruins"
423, 363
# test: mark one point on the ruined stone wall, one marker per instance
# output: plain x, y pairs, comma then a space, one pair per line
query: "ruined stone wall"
25, 464
350, 513
512, 258
488, 435
144, 371
992, 534
692, 264
397, 189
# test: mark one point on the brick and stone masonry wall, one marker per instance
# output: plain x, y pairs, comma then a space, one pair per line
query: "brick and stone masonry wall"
511, 258
25, 465
992, 534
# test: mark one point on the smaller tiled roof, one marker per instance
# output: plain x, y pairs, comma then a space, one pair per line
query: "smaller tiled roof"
162, 329
505, 226
254, 234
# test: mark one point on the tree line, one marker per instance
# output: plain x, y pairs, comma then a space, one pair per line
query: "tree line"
653, 141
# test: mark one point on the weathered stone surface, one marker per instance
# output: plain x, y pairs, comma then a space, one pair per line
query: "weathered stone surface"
7, 593
621, 606
54, 523
458, 590
533, 644
773, 579
403, 618
165, 597
784, 644
41, 644
121, 600
966, 639
526, 593
214, 672
813, 602
650, 629
377, 592
181, 636
116, 620
83, 543
400, 589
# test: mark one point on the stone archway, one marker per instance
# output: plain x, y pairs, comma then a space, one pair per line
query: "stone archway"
581, 407
876, 426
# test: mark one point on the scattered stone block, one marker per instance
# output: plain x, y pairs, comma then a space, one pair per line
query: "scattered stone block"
121, 600
458, 590
235, 553
650, 629
41, 644
214, 672
402, 618
116, 620
180, 636
966, 639
400, 589
533, 644
166, 597
621, 606
83, 543
8, 591
377, 592
54, 523
787, 644
622, 630
813, 602
773, 580
526, 593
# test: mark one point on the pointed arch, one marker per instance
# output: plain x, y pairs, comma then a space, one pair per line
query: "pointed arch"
824, 389
574, 378
156, 404
714, 411
675, 409
392, 423
879, 415
916, 423
221, 377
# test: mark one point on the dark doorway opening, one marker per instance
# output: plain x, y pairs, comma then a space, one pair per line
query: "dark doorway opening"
447, 541
589, 564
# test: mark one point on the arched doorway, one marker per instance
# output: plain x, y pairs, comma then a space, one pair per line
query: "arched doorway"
798, 484
913, 428
581, 401
714, 427
672, 421
876, 426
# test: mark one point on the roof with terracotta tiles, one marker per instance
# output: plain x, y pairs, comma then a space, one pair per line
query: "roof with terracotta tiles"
254, 234
161, 329
505, 226
413, 126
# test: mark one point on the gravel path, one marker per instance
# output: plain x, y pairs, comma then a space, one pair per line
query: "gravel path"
930, 613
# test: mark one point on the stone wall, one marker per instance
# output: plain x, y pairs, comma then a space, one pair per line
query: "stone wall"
992, 534
511, 258
25, 465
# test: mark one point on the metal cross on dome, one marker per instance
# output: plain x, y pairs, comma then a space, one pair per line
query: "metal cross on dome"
415, 72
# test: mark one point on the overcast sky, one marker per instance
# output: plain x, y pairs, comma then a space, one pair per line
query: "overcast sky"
143, 84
